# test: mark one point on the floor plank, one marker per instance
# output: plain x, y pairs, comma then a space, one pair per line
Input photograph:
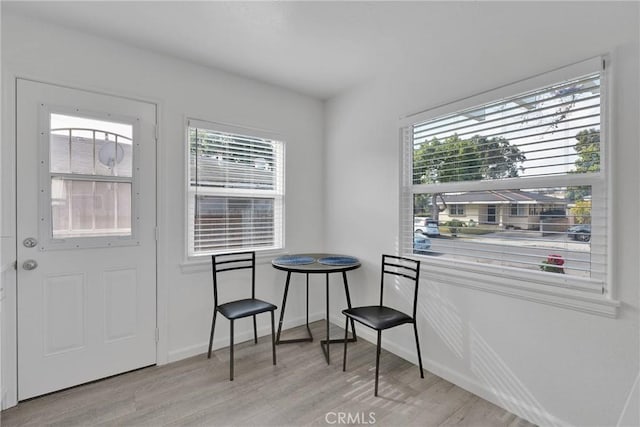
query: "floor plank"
302, 390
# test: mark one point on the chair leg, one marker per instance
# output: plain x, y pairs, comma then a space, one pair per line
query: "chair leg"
273, 337
344, 352
415, 331
375, 392
213, 326
231, 351
255, 330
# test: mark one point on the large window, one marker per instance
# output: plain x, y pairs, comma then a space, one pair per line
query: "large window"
235, 189
528, 168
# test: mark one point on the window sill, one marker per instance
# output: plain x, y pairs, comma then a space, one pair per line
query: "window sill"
534, 287
203, 262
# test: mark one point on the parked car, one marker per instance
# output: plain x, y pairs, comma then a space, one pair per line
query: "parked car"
581, 232
427, 226
421, 243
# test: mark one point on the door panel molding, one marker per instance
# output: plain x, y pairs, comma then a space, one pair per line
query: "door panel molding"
122, 282
68, 291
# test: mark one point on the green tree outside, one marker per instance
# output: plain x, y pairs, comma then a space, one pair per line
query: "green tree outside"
473, 159
582, 212
455, 159
588, 149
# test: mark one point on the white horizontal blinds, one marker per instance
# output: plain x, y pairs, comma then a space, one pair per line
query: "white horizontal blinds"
406, 190
515, 183
232, 222
236, 190
532, 134
233, 161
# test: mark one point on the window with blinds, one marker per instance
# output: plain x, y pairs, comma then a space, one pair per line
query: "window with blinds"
515, 184
235, 189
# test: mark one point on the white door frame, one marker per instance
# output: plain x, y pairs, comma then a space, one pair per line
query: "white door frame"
8, 291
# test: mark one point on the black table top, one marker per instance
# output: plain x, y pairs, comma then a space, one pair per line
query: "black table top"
312, 265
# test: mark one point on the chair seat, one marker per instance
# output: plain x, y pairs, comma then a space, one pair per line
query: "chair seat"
244, 307
378, 317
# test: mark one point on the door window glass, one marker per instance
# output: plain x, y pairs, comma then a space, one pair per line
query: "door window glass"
91, 175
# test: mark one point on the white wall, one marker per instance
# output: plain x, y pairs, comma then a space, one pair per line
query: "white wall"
52, 54
548, 364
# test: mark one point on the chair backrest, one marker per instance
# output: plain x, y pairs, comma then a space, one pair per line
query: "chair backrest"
230, 262
401, 267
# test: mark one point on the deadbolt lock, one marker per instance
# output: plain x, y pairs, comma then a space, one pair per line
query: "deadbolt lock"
30, 242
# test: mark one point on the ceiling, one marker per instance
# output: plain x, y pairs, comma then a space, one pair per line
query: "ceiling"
316, 48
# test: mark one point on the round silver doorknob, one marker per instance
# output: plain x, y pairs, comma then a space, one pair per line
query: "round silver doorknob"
30, 264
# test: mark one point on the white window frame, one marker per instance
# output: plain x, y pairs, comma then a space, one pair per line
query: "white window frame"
592, 296
278, 194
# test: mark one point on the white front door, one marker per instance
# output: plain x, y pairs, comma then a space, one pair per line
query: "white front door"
86, 218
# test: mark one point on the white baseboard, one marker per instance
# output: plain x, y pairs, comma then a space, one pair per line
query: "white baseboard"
201, 348
508, 402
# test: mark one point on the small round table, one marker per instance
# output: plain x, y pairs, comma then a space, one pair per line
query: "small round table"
316, 263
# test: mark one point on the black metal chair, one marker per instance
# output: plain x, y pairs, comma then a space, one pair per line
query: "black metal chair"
380, 317
238, 309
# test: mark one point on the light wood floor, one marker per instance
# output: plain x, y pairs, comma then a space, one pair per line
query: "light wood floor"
301, 390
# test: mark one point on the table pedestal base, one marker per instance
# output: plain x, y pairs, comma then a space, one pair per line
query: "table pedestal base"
284, 303
324, 344
325, 348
